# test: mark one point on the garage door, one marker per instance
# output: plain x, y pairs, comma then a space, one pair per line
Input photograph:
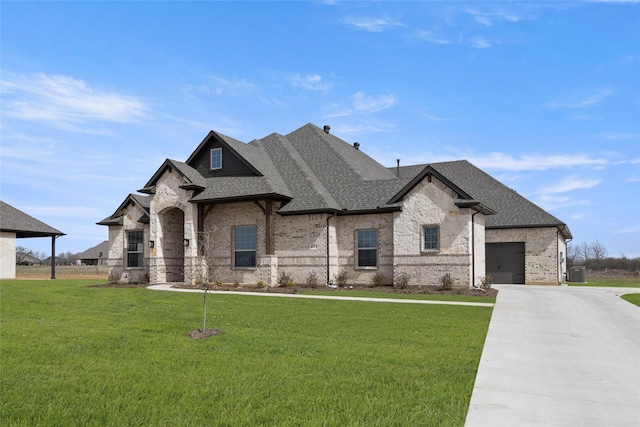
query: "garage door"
505, 262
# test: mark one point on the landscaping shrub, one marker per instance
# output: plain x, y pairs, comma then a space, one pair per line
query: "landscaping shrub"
485, 282
285, 280
446, 282
378, 279
402, 281
114, 277
312, 280
341, 278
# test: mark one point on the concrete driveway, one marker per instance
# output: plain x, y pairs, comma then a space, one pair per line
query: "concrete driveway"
559, 356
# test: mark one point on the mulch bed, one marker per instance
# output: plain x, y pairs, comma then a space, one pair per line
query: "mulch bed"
433, 290
203, 333
118, 285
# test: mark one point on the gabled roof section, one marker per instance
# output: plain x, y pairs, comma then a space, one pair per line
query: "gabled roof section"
13, 220
237, 150
463, 200
191, 177
329, 155
326, 173
143, 202
99, 251
512, 209
308, 192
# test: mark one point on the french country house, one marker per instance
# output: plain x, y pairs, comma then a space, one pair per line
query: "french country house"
310, 205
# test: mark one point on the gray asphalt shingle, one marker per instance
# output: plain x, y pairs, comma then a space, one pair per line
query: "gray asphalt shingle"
15, 221
312, 170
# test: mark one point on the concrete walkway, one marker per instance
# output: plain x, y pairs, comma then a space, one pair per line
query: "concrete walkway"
559, 356
168, 287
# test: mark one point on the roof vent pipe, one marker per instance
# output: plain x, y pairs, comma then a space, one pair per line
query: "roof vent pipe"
326, 128
356, 145
398, 168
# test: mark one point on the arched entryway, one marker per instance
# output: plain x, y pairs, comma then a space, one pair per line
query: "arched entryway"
172, 244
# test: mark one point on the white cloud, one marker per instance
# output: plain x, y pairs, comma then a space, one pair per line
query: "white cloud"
63, 211
479, 42
65, 101
369, 104
432, 38
618, 136
312, 82
219, 85
375, 25
629, 230
568, 184
582, 101
534, 162
433, 118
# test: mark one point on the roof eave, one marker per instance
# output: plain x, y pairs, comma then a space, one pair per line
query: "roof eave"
194, 187
563, 228
475, 205
250, 197
428, 172
148, 190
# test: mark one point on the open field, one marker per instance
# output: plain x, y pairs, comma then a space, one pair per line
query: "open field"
73, 355
625, 281
62, 272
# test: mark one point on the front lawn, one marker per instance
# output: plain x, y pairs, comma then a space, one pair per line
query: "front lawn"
613, 282
632, 298
73, 355
435, 297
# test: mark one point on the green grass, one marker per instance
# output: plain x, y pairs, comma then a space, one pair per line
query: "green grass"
632, 298
372, 294
77, 356
615, 282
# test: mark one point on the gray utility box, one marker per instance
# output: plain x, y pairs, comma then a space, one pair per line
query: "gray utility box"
578, 274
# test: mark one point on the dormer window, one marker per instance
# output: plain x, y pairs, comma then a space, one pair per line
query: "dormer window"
216, 158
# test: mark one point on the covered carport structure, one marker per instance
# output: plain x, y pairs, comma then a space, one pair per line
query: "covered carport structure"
15, 224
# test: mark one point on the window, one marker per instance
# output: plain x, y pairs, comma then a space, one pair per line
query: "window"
216, 158
431, 237
245, 246
367, 248
135, 249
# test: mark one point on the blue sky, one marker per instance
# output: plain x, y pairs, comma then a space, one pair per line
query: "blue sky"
544, 96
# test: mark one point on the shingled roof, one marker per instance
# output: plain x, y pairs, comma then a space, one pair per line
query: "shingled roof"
311, 170
117, 218
13, 220
512, 209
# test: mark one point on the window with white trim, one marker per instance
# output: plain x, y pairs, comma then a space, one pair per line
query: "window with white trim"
430, 238
244, 246
135, 249
367, 248
216, 158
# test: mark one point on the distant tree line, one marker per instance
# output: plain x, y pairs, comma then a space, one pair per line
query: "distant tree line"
26, 256
594, 256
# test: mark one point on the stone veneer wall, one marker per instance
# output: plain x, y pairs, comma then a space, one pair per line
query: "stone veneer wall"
118, 247
168, 229
7, 255
433, 203
301, 246
541, 251
218, 226
346, 228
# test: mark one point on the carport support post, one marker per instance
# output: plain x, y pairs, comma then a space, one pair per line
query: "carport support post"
53, 257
